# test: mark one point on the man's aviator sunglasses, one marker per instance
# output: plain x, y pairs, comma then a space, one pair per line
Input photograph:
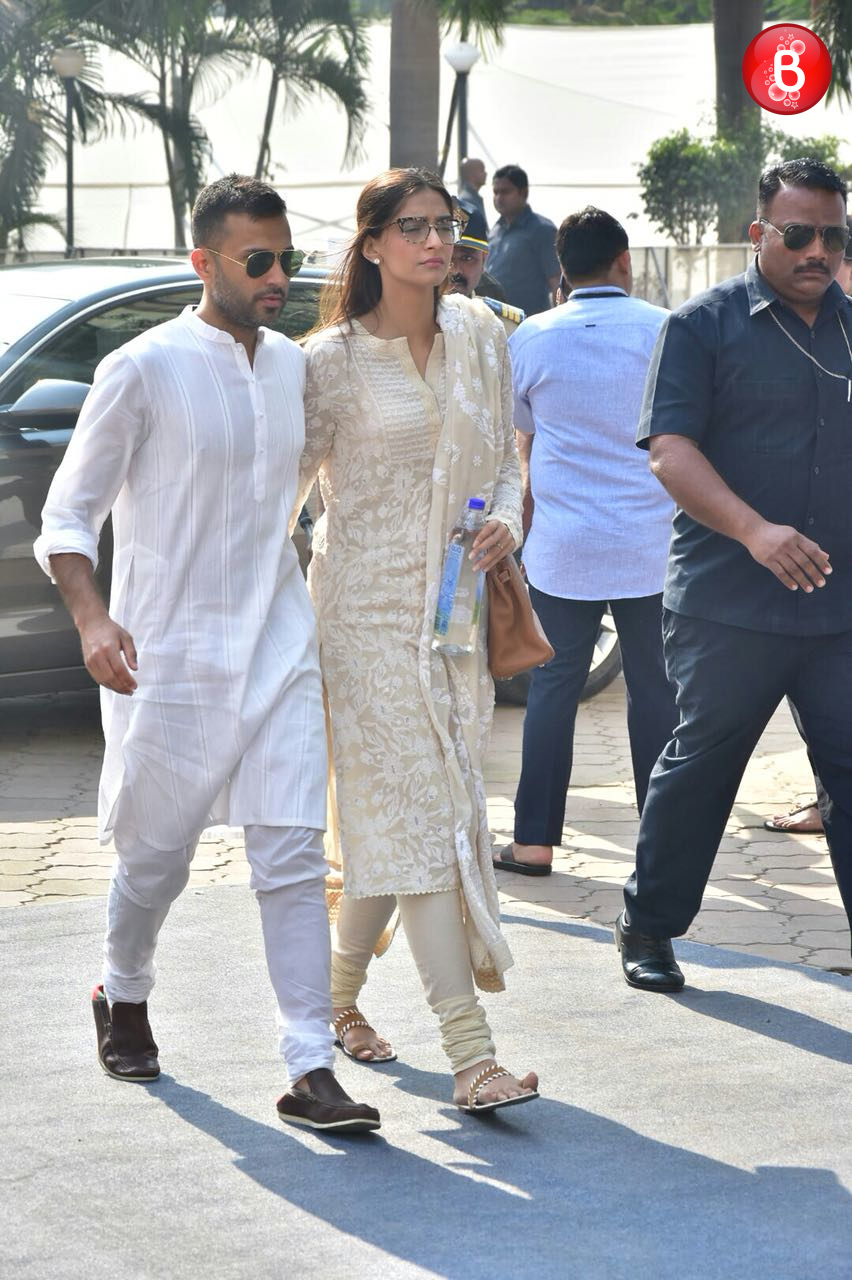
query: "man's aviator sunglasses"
416, 230
798, 235
262, 260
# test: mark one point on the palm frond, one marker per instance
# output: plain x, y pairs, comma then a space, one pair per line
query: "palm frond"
328, 77
833, 23
483, 19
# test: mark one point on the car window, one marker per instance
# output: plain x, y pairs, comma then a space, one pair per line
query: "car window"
19, 312
76, 351
302, 309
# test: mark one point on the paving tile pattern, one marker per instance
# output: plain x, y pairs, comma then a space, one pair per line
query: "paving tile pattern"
770, 894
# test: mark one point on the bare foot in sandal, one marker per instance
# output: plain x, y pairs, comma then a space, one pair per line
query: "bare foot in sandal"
357, 1038
804, 820
486, 1086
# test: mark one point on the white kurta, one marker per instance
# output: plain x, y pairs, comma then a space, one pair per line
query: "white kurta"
197, 454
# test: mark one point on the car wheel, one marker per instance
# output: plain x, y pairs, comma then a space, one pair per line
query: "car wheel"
606, 664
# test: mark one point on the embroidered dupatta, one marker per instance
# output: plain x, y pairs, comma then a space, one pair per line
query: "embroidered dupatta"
475, 457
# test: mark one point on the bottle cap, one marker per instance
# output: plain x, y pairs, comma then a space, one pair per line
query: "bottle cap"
476, 504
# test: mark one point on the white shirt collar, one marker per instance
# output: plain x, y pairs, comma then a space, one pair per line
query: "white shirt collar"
210, 331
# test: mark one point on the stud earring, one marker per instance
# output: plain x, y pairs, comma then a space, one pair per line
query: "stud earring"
377, 261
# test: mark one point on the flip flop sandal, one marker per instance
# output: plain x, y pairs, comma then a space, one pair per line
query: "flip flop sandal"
506, 861
803, 828
345, 1021
474, 1108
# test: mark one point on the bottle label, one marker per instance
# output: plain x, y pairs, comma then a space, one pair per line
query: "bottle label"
447, 590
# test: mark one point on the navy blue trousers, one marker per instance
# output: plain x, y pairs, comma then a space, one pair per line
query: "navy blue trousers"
572, 627
729, 683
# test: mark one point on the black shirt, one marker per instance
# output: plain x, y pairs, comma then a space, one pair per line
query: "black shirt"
778, 431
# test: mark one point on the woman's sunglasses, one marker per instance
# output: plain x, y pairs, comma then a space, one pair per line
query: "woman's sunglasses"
798, 235
416, 230
262, 260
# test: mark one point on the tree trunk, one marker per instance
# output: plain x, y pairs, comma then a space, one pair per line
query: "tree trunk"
734, 26
414, 82
180, 160
163, 97
737, 114
261, 169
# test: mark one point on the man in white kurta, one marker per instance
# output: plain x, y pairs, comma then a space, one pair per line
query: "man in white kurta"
212, 697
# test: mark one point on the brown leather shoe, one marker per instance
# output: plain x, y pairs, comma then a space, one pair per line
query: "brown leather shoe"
327, 1106
126, 1047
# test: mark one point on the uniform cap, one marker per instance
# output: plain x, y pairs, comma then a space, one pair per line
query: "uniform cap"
475, 233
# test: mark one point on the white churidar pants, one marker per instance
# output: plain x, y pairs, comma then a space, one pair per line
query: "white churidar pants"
435, 931
288, 876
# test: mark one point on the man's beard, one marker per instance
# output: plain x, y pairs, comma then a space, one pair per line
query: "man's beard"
459, 283
235, 308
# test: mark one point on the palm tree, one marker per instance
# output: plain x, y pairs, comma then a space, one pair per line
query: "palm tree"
311, 47
187, 46
415, 64
32, 110
737, 114
415, 67
833, 23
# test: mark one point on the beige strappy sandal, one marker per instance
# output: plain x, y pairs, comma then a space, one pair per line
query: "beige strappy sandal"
478, 1083
347, 1020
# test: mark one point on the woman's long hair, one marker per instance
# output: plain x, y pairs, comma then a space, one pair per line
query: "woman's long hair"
356, 286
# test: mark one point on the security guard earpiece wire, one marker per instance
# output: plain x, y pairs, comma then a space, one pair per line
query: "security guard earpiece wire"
814, 360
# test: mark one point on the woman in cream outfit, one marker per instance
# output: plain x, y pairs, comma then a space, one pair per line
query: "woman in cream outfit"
408, 414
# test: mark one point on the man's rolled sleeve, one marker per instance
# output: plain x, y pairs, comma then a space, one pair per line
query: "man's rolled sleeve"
678, 397
110, 428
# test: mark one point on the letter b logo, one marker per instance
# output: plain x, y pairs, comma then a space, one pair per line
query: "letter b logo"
786, 68
788, 60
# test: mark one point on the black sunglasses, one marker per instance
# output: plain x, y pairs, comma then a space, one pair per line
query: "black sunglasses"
798, 235
262, 260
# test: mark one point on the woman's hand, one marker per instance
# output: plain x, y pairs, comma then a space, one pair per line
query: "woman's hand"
491, 544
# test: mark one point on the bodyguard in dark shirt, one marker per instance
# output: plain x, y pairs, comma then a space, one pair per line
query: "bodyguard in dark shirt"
748, 417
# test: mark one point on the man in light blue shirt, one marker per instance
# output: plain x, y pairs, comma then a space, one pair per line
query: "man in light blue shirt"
599, 522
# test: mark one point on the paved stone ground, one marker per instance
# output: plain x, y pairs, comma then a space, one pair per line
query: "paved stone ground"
703, 1136
770, 895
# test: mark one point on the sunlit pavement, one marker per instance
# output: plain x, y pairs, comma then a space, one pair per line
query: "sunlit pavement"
771, 895
703, 1136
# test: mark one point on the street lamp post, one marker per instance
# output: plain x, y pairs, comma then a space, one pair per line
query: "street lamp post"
461, 58
69, 63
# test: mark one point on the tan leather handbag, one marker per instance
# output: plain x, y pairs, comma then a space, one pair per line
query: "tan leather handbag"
516, 640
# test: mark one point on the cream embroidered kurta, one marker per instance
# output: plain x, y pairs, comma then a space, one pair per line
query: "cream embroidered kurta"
398, 456
197, 453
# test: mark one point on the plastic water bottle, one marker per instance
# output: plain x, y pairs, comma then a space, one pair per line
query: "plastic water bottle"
460, 593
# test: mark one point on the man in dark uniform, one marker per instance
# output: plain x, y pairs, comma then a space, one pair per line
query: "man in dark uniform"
467, 270
748, 416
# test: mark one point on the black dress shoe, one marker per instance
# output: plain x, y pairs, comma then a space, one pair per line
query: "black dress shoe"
647, 963
326, 1105
126, 1048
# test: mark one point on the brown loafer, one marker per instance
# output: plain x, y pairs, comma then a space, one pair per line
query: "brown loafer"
327, 1106
126, 1047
